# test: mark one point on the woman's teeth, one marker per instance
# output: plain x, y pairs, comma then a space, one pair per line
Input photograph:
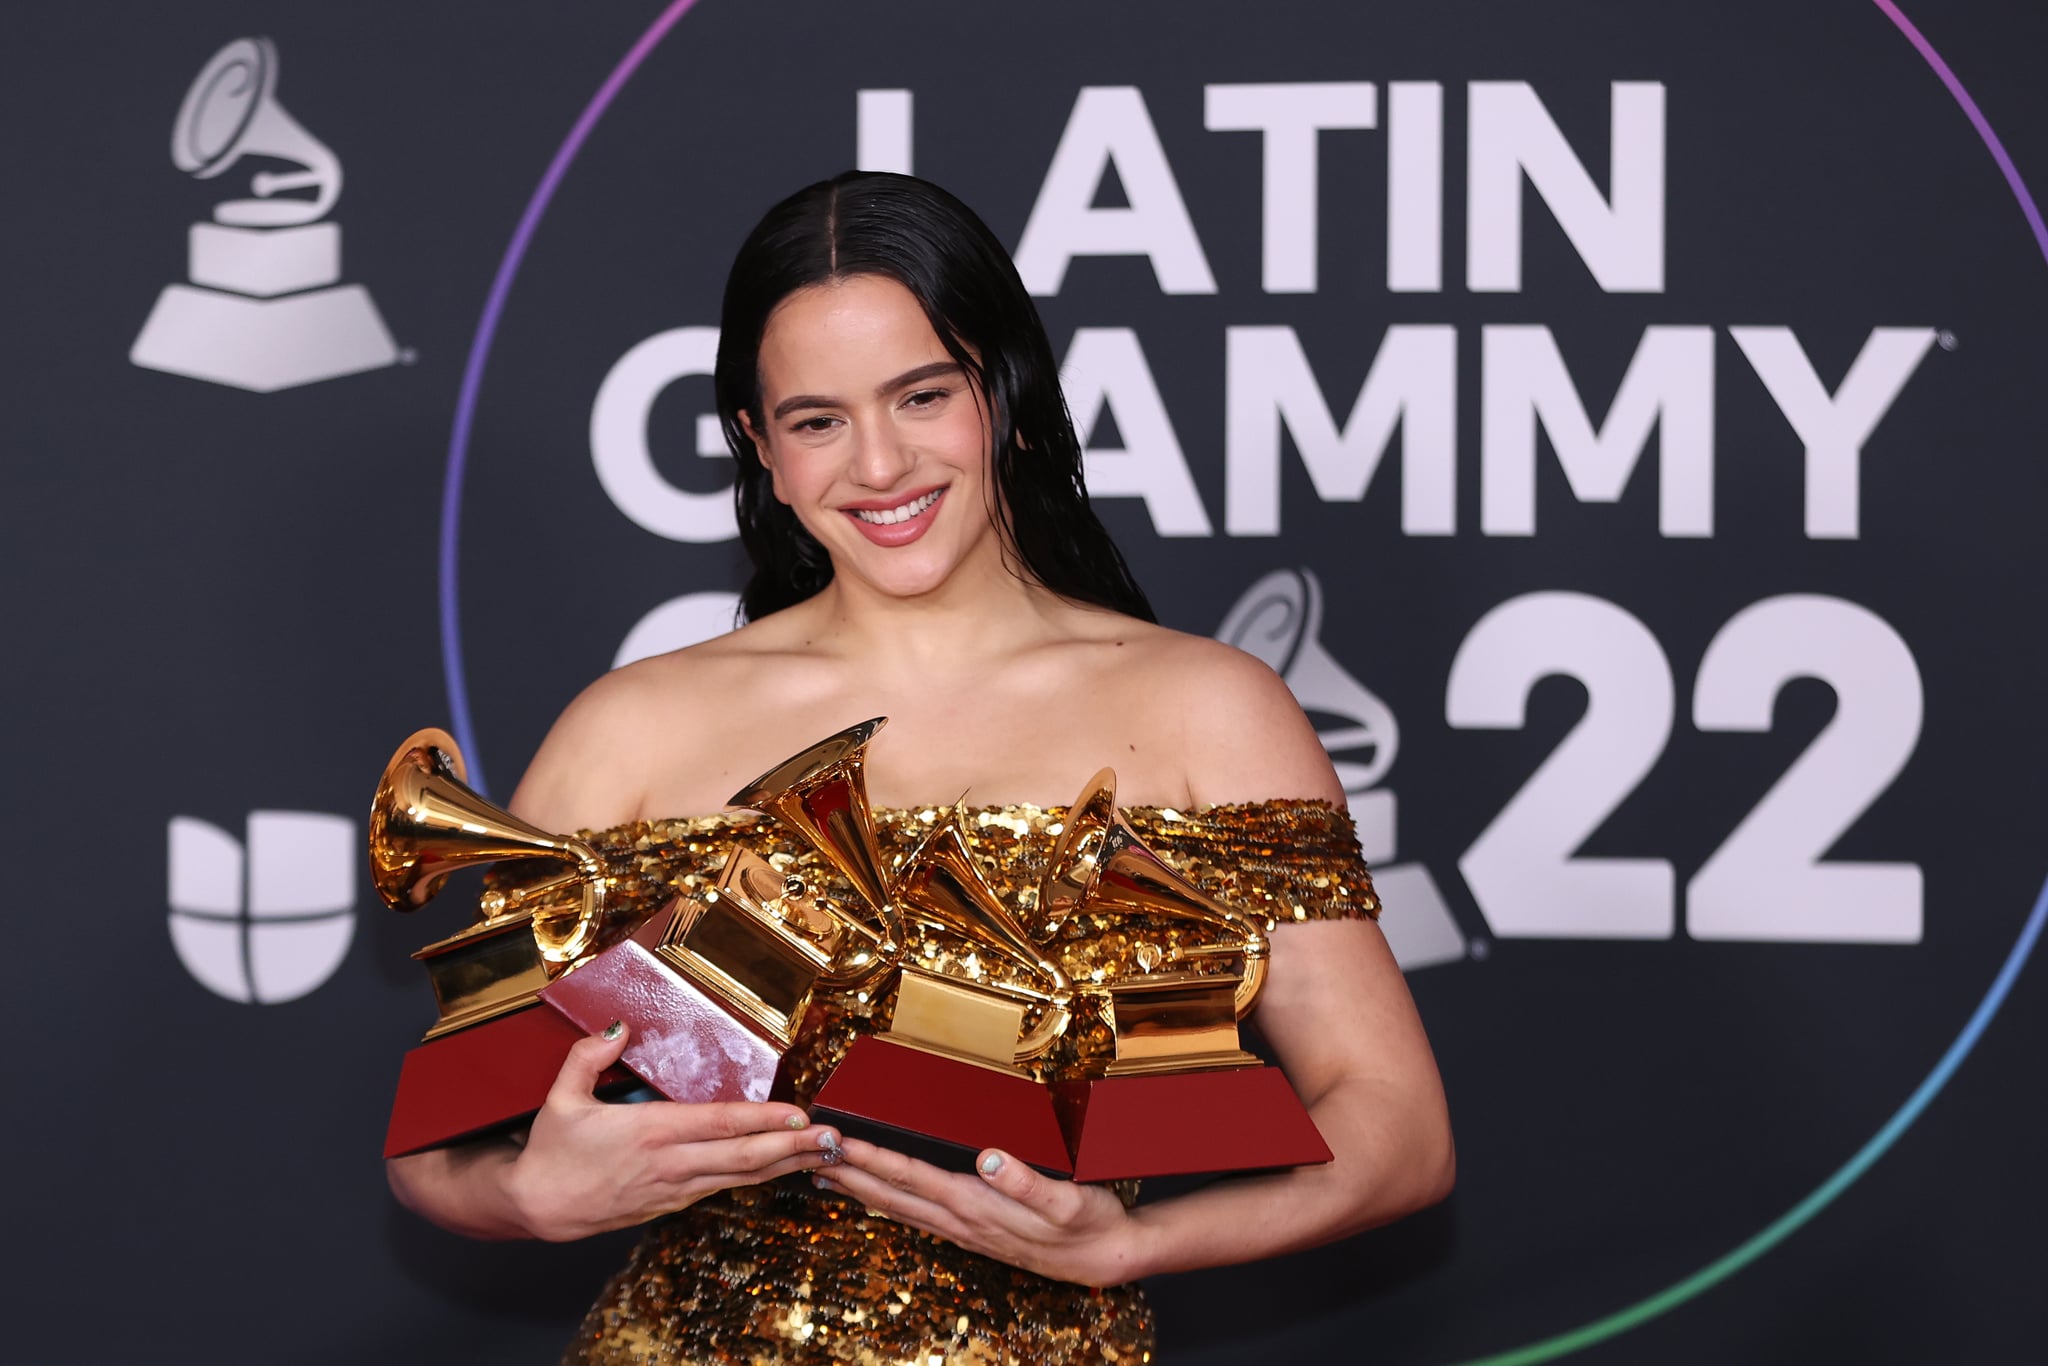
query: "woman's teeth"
898, 514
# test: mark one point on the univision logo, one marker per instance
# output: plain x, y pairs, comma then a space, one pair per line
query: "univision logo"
265, 309
268, 921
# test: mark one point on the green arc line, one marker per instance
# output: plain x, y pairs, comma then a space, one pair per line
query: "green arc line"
1786, 1224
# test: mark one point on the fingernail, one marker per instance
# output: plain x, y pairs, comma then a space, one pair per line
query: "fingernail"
821, 1181
796, 1121
991, 1164
828, 1139
614, 1029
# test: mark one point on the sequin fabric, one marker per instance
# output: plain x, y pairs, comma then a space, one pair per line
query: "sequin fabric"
777, 1274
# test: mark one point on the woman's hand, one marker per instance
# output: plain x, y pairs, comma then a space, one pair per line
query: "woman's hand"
1007, 1211
588, 1166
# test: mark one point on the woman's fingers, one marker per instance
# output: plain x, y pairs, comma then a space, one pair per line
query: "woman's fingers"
680, 1162
1006, 1176
932, 1198
1004, 1193
576, 1082
899, 1169
699, 1186
713, 1120
1055, 1201
904, 1205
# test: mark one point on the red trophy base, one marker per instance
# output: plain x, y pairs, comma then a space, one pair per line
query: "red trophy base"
940, 1110
486, 1077
1186, 1123
684, 1044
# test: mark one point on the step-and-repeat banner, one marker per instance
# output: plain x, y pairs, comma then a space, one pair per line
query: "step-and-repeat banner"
1619, 424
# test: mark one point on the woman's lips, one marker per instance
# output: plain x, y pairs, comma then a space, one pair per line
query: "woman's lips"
905, 531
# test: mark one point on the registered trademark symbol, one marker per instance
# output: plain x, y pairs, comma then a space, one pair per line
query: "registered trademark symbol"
1478, 949
408, 356
1946, 340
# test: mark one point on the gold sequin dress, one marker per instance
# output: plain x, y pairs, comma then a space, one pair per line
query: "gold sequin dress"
778, 1274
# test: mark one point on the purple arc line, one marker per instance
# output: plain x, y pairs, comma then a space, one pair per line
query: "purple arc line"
1543, 1351
479, 358
544, 193
1959, 1049
1977, 121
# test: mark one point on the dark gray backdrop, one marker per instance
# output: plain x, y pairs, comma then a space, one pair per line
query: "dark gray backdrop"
226, 602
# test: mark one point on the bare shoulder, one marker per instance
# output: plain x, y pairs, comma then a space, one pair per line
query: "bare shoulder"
585, 775
1243, 734
604, 752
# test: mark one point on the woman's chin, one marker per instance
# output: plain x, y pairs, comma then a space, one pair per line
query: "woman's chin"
926, 566
905, 577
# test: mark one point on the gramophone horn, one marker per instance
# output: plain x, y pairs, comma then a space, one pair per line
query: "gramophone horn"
940, 883
821, 794
426, 822
1280, 620
230, 112
1101, 863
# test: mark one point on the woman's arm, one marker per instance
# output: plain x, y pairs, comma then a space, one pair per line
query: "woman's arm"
1336, 1011
585, 1166
1348, 1037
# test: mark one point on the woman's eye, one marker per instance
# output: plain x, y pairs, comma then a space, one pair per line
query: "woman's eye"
924, 398
814, 425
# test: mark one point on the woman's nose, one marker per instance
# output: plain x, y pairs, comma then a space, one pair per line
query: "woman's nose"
879, 459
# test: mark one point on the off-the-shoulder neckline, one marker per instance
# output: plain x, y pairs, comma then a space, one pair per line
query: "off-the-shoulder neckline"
1147, 814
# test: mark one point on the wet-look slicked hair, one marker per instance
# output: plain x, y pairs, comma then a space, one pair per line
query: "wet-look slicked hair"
911, 231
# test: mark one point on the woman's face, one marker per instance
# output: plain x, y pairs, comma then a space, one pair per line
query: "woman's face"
874, 436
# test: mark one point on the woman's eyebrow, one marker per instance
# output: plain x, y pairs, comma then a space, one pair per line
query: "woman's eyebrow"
918, 376
903, 381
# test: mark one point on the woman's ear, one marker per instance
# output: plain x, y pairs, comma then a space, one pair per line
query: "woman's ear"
761, 454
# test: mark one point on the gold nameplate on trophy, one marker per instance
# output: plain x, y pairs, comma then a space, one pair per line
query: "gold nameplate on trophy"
1175, 1022
1164, 1021
947, 1078
958, 1017
756, 945
481, 973
963, 1017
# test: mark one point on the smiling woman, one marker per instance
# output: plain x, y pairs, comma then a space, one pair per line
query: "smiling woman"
895, 262
910, 493
879, 463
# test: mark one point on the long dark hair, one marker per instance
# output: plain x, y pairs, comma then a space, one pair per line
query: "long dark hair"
913, 232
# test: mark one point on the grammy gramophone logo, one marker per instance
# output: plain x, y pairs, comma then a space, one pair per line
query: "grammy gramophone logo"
265, 309
1279, 619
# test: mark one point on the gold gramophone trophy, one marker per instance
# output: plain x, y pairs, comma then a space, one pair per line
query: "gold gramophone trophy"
947, 1078
489, 1057
715, 991
1180, 1095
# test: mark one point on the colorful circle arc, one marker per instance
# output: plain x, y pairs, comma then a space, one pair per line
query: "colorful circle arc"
1547, 1349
